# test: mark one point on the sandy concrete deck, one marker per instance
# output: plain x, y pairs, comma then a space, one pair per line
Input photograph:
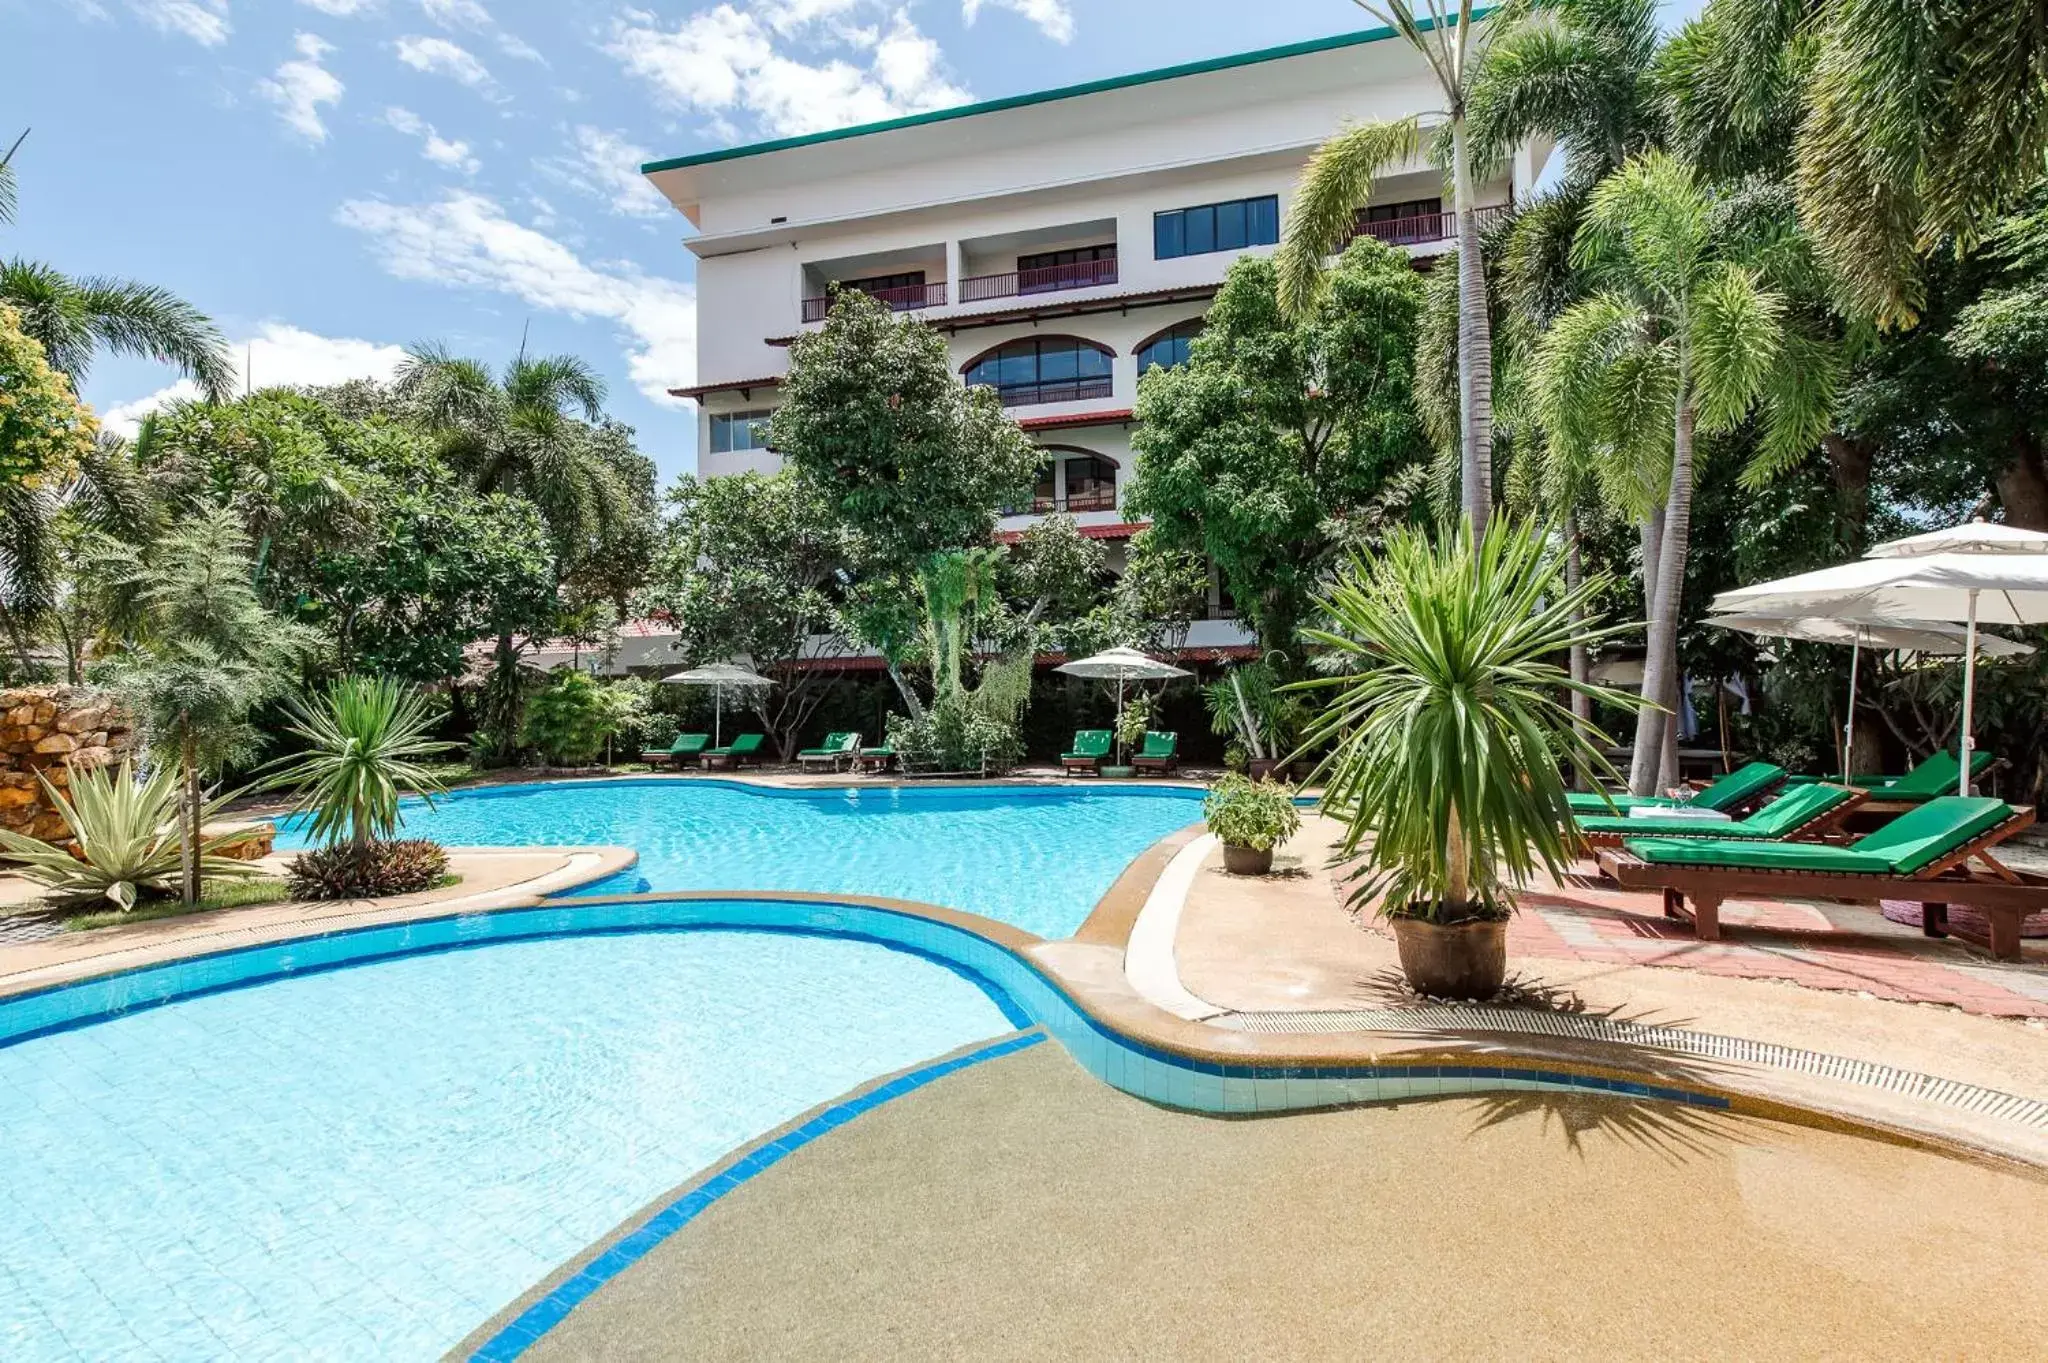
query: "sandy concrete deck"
1019, 1209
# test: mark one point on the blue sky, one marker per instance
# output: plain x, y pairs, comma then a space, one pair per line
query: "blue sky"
334, 179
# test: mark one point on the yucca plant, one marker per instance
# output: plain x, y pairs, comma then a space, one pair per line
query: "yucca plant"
365, 738
1447, 738
127, 836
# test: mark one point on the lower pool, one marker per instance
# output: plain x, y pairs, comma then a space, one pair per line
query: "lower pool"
368, 1162
1038, 857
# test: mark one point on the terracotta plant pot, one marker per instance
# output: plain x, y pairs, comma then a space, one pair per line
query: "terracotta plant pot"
1247, 861
1263, 767
1462, 961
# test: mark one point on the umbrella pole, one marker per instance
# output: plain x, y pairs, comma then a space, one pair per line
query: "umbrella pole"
1849, 729
1119, 719
1969, 743
717, 716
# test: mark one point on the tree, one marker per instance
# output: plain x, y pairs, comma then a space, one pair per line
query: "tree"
45, 435
1278, 426
203, 653
1339, 181
1679, 338
748, 566
365, 739
73, 319
569, 719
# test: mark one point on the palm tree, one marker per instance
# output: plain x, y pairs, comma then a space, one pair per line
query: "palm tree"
1679, 337
1339, 180
75, 318
365, 738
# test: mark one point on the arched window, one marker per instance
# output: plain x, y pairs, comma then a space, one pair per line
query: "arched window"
1169, 349
1044, 369
1091, 483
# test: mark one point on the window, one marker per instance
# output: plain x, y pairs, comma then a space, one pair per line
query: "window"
1044, 369
734, 431
1398, 224
1169, 349
1091, 484
886, 283
1228, 226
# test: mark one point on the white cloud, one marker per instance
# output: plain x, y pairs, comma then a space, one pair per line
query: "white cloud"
467, 240
342, 9
442, 151
1053, 18
606, 166
438, 56
203, 21
278, 355
721, 59
299, 87
457, 14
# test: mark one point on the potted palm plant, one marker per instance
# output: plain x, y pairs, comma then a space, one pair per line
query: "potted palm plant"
1448, 727
1250, 818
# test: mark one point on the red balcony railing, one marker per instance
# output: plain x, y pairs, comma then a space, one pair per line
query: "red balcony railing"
1099, 499
1425, 228
1052, 390
1085, 274
907, 299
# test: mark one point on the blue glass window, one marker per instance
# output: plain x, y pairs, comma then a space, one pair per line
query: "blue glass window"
1047, 369
1169, 349
731, 431
1228, 226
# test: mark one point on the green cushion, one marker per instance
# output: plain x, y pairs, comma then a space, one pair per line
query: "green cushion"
686, 744
1936, 776
746, 745
1158, 744
836, 743
1758, 855
1744, 783
1090, 743
1666, 828
1799, 805
1922, 836
878, 752
1589, 803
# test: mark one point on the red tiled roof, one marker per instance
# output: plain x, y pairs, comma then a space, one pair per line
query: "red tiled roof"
1120, 530
1056, 423
732, 386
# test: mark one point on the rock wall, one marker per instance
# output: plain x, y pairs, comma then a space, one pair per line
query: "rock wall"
51, 730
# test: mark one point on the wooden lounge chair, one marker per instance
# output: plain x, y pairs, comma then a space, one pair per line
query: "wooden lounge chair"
1920, 856
839, 746
1090, 747
1742, 788
1937, 776
1803, 813
1160, 752
746, 748
876, 760
685, 750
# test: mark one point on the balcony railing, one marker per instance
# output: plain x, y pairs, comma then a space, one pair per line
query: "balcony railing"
1084, 274
1052, 390
907, 299
1426, 228
1101, 499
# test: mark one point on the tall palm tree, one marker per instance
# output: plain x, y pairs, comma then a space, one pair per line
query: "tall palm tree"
1680, 337
76, 318
1339, 181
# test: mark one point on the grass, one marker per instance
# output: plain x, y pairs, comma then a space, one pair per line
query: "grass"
219, 894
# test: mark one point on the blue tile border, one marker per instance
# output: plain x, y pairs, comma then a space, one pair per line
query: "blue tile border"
543, 1315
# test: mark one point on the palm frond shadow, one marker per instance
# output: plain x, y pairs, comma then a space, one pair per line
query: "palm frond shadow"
1674, 1132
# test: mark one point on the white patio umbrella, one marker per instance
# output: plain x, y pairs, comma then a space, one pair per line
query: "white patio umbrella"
1976, 573
718, 676
1122, 665
1917, 636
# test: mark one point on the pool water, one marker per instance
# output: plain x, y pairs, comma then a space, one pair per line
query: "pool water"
1038, 857
369, 1162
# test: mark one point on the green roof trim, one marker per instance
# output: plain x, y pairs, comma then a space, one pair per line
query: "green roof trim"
1093, 87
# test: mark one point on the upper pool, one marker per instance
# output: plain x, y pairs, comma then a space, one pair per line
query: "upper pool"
1036, 856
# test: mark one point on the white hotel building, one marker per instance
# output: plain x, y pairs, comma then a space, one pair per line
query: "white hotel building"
1062, 241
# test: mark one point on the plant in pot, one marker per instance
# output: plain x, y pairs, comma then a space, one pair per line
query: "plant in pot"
1449, 726
1250, 818
1248, 706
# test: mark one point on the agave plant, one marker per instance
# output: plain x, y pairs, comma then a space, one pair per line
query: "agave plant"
364, 740
127, 836
1447, 742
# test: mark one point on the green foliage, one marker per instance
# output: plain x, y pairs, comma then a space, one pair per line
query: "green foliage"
1259, 815
1276, 428
1445, 722
126, 833
959, 732
569, 719
1135, 719
364, 740
44, 430
348, 870
1249, 704
74, 319
220, 894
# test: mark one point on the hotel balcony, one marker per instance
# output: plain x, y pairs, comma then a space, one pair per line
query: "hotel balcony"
1420, 229
906, 280
899, 298
1081, 274
1075, 255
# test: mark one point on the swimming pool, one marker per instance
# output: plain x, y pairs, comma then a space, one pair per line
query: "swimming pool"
368, 1162
1038, 857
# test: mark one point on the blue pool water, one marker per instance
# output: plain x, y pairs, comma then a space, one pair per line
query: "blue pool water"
367, 1163
1038, 857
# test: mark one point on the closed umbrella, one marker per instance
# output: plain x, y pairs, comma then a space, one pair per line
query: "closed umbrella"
1916, 636
1977, 573
1122, 665
718, 676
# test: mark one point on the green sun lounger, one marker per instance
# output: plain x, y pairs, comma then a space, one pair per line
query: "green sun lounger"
1160, 752
686, 748
746, 748
1802, 811
1938, 775
1745, 785
839, 746
1919, 857
876, 760
1090, 747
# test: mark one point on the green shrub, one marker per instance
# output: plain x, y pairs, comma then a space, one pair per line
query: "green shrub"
1255, 814
955, 735
365, 738
355, 871
569, 719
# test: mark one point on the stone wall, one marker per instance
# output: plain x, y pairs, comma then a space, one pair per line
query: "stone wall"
50, 730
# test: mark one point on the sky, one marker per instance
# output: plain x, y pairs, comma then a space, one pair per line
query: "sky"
334, 180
